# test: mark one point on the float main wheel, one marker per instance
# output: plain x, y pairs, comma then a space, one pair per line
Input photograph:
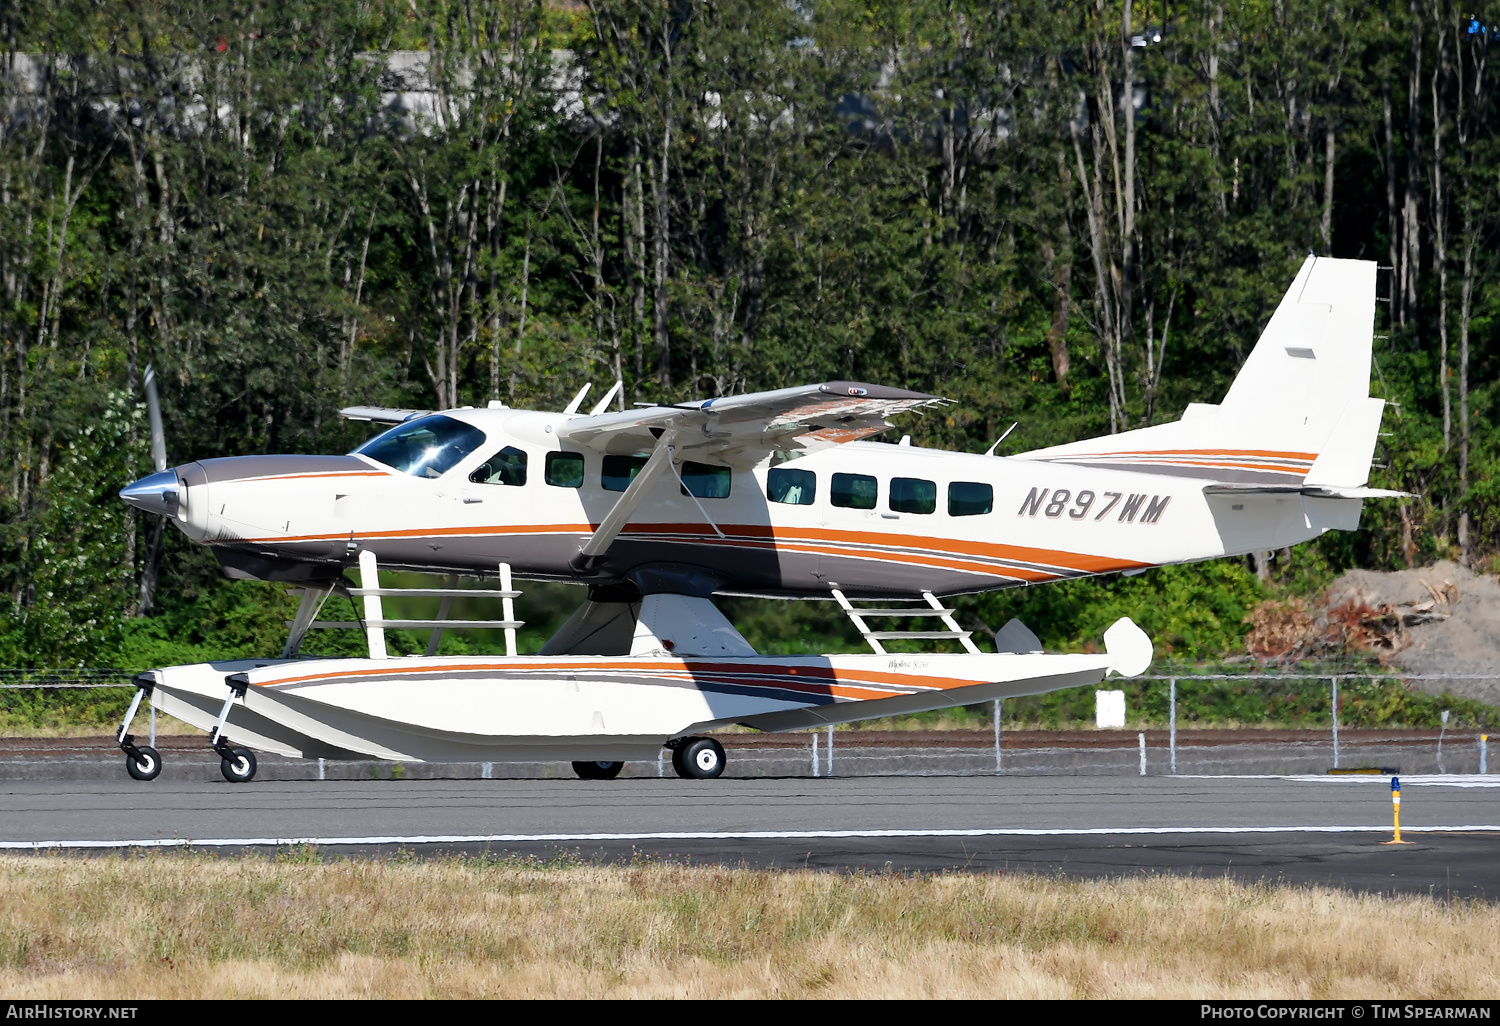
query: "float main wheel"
143, 762
600, 770
238, 766
698, 758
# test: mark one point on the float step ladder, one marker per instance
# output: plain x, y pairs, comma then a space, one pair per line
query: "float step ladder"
374, 622
933, 608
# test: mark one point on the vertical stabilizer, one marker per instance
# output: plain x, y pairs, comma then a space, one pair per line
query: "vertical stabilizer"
1301, 400
1313, 359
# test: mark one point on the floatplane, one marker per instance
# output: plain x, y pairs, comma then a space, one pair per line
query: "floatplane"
659, 508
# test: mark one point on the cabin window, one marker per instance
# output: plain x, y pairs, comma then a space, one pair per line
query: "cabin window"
794, 487
705, 480
427, 447
853, 491
912, 495
506, 467
565, 469
619, 471
970, 499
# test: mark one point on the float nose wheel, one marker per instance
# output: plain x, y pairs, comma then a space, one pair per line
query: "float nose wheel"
237, 765
141, 761
600, 770
698, 758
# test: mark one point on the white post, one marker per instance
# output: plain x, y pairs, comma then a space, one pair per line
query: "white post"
660, 769
486, 770
998, 708
830, 750
1172, 722
1335, 682
1484, 744
815, 752
1441, 732
153, 726
322, 768
369, 579
507, 610
1143, 753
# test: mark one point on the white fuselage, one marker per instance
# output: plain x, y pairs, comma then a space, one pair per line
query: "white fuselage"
924, 531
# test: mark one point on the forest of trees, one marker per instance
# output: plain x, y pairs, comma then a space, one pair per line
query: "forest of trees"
1072, 215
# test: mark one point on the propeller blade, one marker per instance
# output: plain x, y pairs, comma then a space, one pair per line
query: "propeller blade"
153, 410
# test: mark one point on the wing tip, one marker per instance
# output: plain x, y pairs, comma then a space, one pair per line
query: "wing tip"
865, 390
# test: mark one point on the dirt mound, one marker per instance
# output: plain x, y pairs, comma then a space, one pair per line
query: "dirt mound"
1439, 619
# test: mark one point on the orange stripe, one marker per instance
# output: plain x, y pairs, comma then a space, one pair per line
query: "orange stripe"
782, 675
1276, 468
1308, 456
913, 543
915, 546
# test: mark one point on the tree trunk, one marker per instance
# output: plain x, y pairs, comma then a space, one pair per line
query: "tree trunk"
1440, 237
1465, 306
660, 230
1060, 263
1411, 227
1397, 294
1327, 225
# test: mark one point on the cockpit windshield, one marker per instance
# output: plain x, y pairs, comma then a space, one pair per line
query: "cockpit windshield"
426, 447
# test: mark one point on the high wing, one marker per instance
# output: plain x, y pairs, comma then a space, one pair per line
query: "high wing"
742, 429
381, 414
737, 430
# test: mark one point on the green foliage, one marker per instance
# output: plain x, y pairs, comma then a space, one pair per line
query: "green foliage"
724, 197
1191, 612
69, 549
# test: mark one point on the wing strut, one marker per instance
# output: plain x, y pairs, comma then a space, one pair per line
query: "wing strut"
619, 515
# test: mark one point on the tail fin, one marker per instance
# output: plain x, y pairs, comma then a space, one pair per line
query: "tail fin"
1298, 412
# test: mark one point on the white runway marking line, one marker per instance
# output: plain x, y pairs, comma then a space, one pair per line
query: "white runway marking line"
1443, 780
728, 835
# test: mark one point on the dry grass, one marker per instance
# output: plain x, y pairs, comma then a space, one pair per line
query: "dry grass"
196, 926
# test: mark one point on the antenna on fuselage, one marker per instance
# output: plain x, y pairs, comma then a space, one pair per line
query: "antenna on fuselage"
578, 399
609, 396
991, 450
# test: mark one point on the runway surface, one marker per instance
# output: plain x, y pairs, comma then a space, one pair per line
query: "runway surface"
1322, 830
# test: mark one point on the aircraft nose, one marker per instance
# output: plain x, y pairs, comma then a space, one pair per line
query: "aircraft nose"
155, 493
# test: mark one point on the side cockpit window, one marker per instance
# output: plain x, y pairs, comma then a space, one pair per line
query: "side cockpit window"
912, 495
426, 447
705, 480
794, 487
970, 499
506, 467
618, 471
853, 491
565, 469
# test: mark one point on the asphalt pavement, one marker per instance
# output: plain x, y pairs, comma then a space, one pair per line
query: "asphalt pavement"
1315, 829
